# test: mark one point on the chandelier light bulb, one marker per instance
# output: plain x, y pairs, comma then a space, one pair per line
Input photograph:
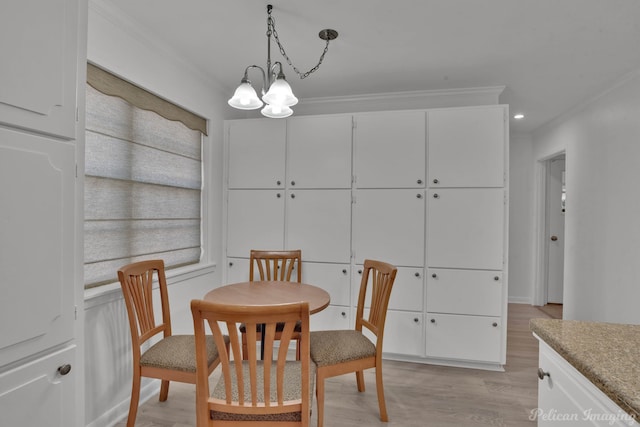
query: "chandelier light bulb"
280, 93
245, 97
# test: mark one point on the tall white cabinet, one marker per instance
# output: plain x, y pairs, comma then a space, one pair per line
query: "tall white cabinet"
425, 190
40, 380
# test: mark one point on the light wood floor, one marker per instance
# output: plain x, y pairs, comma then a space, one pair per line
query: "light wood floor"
417, 395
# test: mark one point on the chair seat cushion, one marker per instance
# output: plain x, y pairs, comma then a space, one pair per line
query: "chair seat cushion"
291, 388
177, 352
279, 327
334, 347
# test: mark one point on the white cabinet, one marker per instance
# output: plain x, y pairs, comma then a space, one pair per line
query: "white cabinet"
39, 44
466, 228
335, 279
467, 147
403, 334
388, 224
40, 392
567, 398
319, 152
471, 292
390, 149
256, 153
407, 292
464, 338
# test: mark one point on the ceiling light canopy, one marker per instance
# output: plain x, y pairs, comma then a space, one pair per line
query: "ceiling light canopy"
276, 92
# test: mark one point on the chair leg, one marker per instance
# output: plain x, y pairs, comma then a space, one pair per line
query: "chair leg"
135, 398
320, 398
360, 380
164, 390
245, 356
298, 349
383, 407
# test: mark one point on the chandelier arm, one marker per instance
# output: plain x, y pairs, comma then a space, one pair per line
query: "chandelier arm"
264, 77
271, 29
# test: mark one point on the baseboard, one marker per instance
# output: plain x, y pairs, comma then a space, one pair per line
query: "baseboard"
121, 411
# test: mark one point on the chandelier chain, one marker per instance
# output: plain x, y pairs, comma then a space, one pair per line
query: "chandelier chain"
272, 30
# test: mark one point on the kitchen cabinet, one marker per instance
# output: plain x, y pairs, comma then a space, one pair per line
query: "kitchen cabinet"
41, 286
469, 292
467, 147
390, 149
388, 224
334, 278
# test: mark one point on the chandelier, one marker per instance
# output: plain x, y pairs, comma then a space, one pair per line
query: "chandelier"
276, 92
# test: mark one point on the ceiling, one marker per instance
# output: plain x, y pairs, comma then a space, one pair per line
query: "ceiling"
550, 55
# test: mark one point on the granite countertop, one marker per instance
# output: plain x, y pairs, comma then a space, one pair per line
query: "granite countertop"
607, 354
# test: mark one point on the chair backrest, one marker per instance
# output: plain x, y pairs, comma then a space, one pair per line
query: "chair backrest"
375, 287
136, 281
246, 383
275, 265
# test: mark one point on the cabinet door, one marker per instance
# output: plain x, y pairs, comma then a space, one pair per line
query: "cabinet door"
390, 150
38, 41
334, 317
471, 338
38, 394
37, 223
467, 147
403, 333
319, 152
333, 278
388, 225
237, 270
255, 220
407, 292
319, 223
256, 150
474, 292
466, 228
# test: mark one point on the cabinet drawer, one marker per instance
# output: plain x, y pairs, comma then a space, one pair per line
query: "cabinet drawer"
473, 292
334, 317
407, 292
333, 278
42, 382
403, 333
472, 338
566, 397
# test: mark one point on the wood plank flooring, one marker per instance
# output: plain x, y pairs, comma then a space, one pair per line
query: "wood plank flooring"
417, 395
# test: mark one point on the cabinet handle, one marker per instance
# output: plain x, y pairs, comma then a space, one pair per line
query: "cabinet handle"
278, 182
419, 196
436, 196
433, 320
542, 374
415, 319
434, 275
343, 314
344, 271
230, 264
494, 324
419, 181
293, 183
64, 369
435, 181
417, 274
293, 196
278, 195
359, 271
496, 278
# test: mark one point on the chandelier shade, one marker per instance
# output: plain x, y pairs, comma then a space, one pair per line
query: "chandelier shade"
276, 92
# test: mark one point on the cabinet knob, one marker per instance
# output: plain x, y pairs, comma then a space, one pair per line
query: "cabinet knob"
554, 238
344, 314
433, 320
416, 320
344, 271
417, 274
435, 181
293, 196
359, 271
496, 278
434, 275
278, 182
494, 324
64, 369
419, 196
436, 196
542, 374
293, 183
419, 181
230, 264
278, 195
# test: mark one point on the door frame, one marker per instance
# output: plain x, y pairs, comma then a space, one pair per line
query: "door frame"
540, 293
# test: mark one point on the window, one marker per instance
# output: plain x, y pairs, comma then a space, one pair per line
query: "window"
143, 179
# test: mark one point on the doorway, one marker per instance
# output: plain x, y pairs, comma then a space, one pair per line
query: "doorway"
551, 210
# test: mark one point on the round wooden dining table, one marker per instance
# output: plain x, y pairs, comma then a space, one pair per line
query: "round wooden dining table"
270, 292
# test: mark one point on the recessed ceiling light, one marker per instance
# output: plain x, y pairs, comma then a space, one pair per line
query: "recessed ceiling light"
518, 116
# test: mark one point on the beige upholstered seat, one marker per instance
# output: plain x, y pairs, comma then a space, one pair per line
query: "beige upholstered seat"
172, 358
270, 392
344, 351
274, 265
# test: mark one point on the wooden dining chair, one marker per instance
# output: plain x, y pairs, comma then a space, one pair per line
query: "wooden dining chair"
171, 357
273, 392
274, 265
343, 351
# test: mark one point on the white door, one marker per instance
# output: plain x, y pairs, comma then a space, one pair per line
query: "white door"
390, 150
319, 152
256, 153
555, 221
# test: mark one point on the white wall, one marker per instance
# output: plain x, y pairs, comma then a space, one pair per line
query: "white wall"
120, 48
602, 235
